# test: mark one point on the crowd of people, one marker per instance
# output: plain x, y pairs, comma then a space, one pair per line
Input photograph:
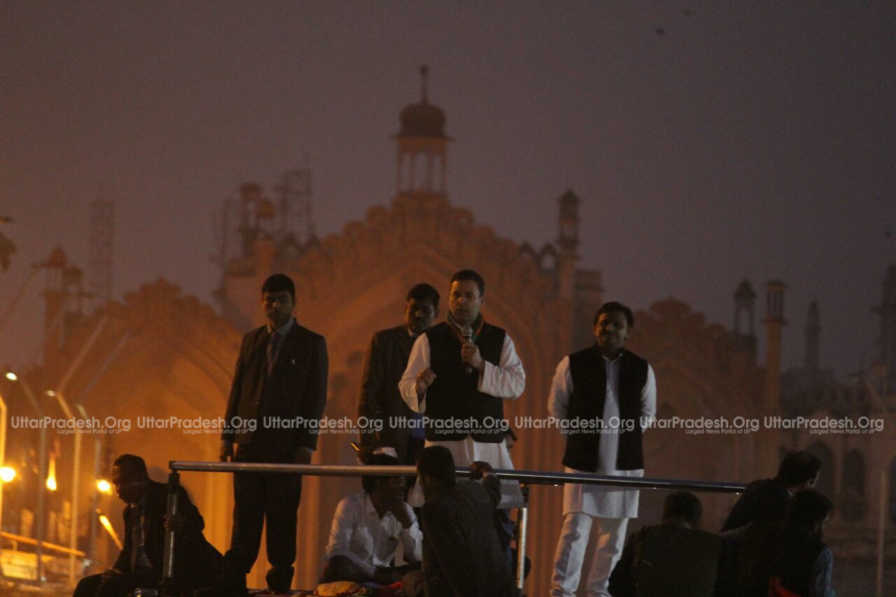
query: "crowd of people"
453, 538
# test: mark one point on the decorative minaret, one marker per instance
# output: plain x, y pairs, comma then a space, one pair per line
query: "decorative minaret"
813, 338
774, 323
769, 441
421, 147
744, 326
567, 243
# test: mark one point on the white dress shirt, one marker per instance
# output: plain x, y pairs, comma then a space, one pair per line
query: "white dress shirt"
596, 500
505, 380
359, 534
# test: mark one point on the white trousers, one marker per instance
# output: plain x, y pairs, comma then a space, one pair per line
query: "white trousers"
608, 537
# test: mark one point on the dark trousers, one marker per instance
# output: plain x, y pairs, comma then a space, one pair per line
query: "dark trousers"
106, 585
272, 497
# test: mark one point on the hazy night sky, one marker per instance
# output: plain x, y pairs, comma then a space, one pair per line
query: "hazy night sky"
744, 141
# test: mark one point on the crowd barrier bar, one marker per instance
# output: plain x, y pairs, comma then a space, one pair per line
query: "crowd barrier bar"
525, 478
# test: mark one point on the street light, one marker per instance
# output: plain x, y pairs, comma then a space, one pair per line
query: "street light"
76, 474
39, 532
103, 486
7, 474
107, 524
51, 475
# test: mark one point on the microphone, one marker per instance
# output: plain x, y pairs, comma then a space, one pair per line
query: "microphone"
468, 338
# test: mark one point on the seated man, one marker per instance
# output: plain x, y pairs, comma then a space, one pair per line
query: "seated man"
463, 555
671, 558
369, 527
798, 471
745, 565
197, 563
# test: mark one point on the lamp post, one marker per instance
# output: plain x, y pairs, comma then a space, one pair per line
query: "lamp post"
42, 465
95, 491
76, 475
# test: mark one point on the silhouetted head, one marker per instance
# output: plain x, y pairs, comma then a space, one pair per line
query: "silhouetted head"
809, 509
799, 470
435, 469
683, 506
371, 483
129, 477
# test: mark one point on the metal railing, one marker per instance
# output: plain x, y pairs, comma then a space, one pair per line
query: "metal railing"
524, 477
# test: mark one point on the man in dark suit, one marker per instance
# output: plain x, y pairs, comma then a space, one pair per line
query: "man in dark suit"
671, 558
381, 403
462, 552
279, 392
139, 564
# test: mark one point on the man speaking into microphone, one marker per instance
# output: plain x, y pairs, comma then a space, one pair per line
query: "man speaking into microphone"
458, 374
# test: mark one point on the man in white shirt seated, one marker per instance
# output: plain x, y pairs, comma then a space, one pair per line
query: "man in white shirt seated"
374, 536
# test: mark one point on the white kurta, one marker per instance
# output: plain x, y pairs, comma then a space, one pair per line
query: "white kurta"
505, 380
594, 500
359, 534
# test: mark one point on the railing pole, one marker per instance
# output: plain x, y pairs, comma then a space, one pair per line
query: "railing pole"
523, 523
168, 553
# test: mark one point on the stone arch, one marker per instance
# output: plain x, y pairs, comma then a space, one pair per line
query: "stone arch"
354, 283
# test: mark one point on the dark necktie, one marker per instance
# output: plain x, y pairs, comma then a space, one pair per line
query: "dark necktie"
273, 345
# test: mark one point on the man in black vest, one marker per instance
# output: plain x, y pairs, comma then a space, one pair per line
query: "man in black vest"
458, 374
380, 403
602, 397
279, 388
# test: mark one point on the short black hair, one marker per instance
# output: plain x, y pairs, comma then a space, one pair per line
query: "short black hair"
798, 468
684, 505
615, 306
424, 292
131, 465
808, 508
438, 463
369, 482
469, 274
279, 283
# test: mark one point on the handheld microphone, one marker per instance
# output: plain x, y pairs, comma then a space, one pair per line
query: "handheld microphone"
468, 338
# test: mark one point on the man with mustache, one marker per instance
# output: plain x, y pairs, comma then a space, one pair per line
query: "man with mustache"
603, 384
459, 373
386, 360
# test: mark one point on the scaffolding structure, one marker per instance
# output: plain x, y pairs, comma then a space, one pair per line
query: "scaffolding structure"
100, 261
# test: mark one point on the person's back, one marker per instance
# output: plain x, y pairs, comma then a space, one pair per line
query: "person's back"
748, 552
798, 471
669, 559
803, 563
462, 551
746, 563
677, 561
